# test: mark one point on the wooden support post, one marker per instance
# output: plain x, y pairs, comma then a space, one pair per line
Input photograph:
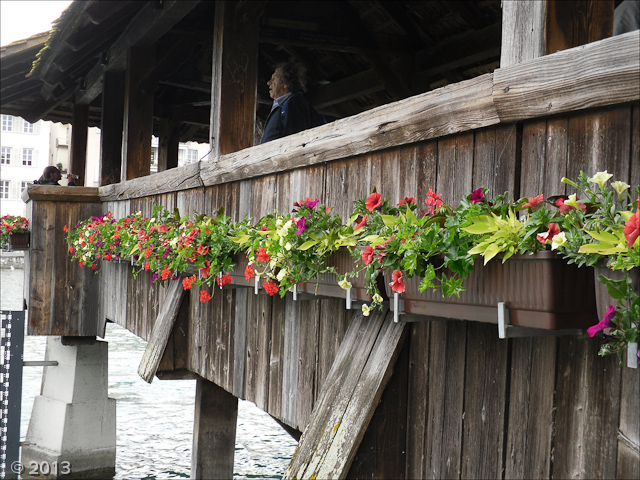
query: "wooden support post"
138, 115
234, 74
571, 23
168, 143
214, 431
78, 156
531, 29
111, 131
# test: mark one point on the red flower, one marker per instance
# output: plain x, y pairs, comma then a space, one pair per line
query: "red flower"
223, 280
204, 296
406, 200
261, 255
187, 282
248, 272
204, 271
270, 287
367, 255
477, 196
146, 266
361, 223
64, 228
567, 208
547, 236
91, 238
203, 250
70, 249
147, 252
373, 201
534, 202
632, 229
107, 256
433, 201
166, 273
94, 266
397, 284
381, 253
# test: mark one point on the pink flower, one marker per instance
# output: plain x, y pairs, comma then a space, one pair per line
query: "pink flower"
632, 229
308, 202
373, 201
406, 200
604, 323
397, 285
477, 196
301, 226
361, 223
534, 202
367, 255
547, 236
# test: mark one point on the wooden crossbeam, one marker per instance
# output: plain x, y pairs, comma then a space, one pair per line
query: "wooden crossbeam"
349, 397
161, 331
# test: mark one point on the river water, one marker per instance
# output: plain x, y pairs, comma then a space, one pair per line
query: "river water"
154, 421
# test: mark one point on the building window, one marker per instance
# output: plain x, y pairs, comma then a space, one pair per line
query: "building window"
27, 156
7, 123
5, 159
192, 156
4, 189
27, 127
23, 187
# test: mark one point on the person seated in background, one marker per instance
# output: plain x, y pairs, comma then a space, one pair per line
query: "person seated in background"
290, 113
50, 176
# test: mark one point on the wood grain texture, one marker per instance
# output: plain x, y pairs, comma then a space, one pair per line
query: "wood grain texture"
161, 331
522, 32
530, 425
608, 70
354, 386
628, 461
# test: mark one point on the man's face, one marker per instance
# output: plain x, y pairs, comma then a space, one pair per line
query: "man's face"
276, 87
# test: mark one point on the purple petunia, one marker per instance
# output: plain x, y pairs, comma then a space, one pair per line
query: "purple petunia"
301, 224
477, 196
604, 323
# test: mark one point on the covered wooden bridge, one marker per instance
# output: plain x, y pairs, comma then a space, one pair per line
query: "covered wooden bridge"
448, 95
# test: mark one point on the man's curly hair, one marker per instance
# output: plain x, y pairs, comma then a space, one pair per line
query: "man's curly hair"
293, 74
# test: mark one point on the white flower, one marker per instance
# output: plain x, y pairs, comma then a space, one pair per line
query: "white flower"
288, 246
366, 310
572, 201
558, 240
344, 283
377, 298
600, 178
281, 274
620, 187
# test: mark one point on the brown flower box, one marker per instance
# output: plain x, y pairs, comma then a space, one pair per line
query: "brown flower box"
327, 284
540, 290
19, 241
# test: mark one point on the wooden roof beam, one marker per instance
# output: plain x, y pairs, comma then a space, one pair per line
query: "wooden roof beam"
145, 29
352, 87
397, 13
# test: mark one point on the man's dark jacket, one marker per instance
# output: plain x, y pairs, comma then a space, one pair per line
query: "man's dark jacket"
294, 116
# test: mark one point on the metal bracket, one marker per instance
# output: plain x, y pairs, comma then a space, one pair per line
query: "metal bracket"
506, 330
632, 355
397, 307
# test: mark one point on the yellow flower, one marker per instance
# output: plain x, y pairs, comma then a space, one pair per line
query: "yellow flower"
600, 178
558, 240
377, 298
281, 274
366, 311
620, 186
572, 201
344, 283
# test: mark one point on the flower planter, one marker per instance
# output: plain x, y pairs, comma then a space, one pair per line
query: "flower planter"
19, 241
541, 291
327, 284
603, 300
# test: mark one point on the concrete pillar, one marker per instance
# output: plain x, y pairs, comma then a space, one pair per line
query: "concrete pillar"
214, 431
73, 422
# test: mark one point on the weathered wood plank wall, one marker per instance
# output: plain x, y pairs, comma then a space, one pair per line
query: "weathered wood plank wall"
477, 407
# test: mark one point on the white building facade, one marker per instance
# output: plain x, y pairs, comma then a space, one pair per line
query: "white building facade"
24, 154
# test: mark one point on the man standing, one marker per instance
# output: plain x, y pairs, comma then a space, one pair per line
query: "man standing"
290, 113
50, 176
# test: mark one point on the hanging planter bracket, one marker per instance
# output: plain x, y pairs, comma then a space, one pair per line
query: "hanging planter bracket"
506, 330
